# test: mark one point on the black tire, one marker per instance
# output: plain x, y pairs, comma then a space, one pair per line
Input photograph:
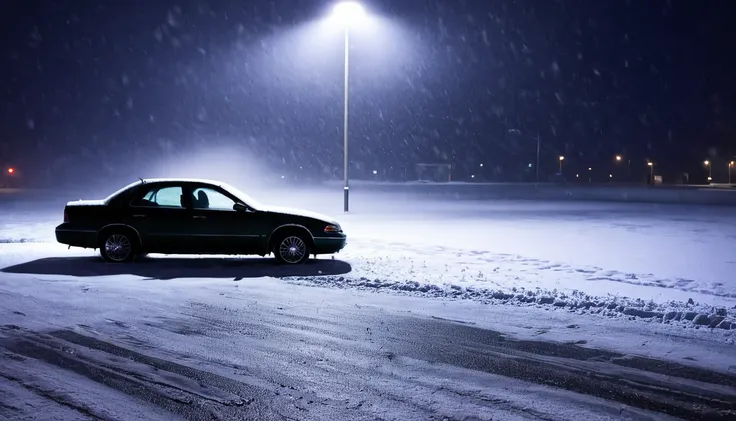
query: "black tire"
118, 246
291, 248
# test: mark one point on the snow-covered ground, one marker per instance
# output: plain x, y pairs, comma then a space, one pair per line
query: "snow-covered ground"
641, 281
126, 348
618, 260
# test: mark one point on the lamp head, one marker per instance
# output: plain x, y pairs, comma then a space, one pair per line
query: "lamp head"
348, 12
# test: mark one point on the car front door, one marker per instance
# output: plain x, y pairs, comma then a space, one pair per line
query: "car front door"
217, 227
159, 213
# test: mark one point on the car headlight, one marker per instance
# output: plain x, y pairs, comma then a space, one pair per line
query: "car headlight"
333, 228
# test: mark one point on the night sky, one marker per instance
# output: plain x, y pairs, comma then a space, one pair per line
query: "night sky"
106, 87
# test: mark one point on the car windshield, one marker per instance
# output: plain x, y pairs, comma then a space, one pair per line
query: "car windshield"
112, 196
253, 203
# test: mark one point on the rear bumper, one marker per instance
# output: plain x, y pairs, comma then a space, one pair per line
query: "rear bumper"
65, 234
329, 245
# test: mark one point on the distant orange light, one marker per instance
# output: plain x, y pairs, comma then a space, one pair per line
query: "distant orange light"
11, 170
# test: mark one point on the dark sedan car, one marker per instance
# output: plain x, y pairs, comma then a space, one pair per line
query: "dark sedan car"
182, 216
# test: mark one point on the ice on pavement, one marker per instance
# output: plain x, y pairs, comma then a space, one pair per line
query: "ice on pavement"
609, 258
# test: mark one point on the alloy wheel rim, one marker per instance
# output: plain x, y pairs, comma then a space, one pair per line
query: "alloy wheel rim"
118, 247
292, 249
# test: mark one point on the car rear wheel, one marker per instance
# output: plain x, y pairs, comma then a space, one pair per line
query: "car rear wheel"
117, 247
291, 249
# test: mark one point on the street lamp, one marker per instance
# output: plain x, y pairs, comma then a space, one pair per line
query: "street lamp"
620, 158
730, 165
710, 170
651, 171
11, 170
562, 158
539, 144
347, 14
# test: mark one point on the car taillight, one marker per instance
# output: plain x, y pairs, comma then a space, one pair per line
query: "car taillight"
332, 228
66, 216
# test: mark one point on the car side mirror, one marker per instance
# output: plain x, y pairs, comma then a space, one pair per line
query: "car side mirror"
240, 207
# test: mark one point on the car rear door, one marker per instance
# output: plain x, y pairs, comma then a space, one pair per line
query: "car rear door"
217, 227
159, 214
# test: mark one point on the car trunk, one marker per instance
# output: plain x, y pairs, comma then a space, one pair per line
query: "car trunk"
89, 213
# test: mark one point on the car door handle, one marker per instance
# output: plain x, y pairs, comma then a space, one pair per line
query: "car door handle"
199, 217
139, 216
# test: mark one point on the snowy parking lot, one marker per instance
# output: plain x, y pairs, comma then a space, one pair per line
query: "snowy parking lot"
636, 280
647, 257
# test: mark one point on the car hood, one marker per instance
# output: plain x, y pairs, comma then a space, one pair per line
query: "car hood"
301, 212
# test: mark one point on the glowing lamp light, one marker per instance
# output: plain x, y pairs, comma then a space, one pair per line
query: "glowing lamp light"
706, 163
375, 172
650, 164
11, 170
348, 12
618, 157
710, 178
562, 158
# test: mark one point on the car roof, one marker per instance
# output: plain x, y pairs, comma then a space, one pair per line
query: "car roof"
181, 180
142, 181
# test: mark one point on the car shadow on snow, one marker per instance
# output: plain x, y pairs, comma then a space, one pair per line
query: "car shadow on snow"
172, 268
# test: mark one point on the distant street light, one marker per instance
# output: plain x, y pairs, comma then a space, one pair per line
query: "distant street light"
730, 166
620, 158
651, 171
347, 14
11, 170
539, 143
710, 170
562, 158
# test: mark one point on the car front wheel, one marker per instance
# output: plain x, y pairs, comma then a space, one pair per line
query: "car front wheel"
117, 247
291, 249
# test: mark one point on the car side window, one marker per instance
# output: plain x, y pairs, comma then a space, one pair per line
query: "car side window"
167, 196
206, 198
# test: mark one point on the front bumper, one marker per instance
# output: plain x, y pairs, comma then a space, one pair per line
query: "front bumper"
329, 245
65, 234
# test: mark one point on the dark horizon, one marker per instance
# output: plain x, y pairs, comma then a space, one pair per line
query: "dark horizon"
112, 88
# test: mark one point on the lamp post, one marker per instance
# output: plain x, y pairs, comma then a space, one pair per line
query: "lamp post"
7, 179
562, 158
620, 158
730, 166
347, 13
651, 172
539, 144
710, 170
